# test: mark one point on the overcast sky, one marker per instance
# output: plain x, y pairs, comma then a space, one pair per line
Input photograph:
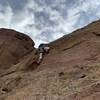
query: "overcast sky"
47, 20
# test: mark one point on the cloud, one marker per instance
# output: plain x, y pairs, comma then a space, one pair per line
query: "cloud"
47, 20
5, 16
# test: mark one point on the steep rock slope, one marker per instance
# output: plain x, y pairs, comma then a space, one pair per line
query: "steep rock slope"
13, 46
71, 71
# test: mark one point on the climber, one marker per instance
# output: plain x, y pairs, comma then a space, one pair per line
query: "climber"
42, 50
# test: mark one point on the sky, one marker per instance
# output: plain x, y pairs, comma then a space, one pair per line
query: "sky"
47, 20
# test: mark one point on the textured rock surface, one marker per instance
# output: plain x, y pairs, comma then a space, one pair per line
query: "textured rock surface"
71, 71
13, 46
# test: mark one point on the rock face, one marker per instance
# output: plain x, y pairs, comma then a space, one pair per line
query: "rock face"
71, 70
13, 46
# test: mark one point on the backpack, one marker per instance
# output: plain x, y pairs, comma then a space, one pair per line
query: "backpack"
41, 48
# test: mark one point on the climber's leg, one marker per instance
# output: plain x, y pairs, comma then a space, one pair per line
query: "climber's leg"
40, 58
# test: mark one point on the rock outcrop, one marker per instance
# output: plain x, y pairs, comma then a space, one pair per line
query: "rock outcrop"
71, 70
13, 46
